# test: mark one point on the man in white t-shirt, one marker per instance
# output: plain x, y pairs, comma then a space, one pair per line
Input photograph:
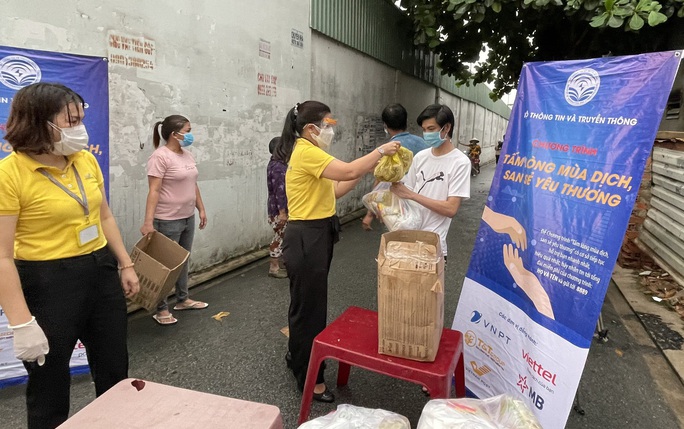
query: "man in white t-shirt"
439, 178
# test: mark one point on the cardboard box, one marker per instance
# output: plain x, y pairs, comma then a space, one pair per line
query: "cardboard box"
158, 262
410, 294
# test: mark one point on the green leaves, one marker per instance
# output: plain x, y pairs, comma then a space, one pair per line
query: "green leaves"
655, 18
600, 20
518, 31
636, 22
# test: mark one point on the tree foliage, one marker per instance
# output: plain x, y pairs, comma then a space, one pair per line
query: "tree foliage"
518, 31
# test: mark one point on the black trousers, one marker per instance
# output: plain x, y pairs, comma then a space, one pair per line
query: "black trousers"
73, 298
307, 253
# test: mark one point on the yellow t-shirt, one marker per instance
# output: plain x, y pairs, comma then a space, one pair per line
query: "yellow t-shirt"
309, 196
49, 219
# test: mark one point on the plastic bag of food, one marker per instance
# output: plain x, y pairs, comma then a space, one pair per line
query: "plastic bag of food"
396, 213
499, 412
394, 168
349, 416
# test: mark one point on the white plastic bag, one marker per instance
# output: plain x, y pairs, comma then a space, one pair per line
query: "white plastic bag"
499, 412
348, 416
396, 213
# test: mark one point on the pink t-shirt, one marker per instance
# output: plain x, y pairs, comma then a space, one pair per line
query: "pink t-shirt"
178, 172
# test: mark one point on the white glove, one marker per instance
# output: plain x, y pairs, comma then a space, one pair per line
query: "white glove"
30, 343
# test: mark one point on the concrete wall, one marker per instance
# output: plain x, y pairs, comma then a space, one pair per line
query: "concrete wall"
207, 66
473, 120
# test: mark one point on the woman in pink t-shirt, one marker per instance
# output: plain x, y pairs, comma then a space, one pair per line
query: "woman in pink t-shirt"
171, 202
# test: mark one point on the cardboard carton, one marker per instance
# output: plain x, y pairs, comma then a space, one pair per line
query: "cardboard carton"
158, 262
410, 294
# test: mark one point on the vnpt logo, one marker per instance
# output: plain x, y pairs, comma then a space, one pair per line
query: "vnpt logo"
480, 370
535, 398
17, 71
538, 368
476, 318
582, 86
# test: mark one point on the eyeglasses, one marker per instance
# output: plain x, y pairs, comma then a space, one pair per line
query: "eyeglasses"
328, 123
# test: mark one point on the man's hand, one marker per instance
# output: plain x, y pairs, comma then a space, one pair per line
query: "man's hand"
401, 191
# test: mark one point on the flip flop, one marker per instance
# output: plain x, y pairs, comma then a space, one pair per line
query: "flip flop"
196, 305
165, 320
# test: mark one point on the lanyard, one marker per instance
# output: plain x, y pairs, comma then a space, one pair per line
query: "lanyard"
83, 202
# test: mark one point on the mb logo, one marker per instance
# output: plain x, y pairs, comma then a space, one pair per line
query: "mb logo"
535, 398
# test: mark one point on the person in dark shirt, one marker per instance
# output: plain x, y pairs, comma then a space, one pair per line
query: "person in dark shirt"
497, 149
277, 210
394, 118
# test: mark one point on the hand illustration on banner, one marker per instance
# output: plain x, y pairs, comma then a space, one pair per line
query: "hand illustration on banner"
504, 224
527, 281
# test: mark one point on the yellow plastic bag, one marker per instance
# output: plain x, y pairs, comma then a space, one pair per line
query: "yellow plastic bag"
394, 168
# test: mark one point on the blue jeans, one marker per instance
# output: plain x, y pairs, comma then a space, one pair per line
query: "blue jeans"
182, 231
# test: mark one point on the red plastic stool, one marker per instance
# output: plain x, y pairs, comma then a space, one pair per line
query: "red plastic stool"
352, 339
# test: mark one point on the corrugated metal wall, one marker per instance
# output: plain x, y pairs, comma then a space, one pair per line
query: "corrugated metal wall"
379, 29
376, 28
663, 229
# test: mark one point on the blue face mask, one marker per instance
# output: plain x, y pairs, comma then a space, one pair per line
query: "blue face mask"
188, 138
434, 139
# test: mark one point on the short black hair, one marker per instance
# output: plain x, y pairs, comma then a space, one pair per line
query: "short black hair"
395, 117
272, 144
440, 113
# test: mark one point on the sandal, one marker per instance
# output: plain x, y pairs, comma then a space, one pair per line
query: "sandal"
194, 305
280, 274
165, 320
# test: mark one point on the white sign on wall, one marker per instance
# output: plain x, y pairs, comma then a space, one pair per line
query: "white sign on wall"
297, 38
131, 51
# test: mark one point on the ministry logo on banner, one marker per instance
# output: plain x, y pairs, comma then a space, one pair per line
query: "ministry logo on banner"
88, 76
568, 176
582, 86
18, 71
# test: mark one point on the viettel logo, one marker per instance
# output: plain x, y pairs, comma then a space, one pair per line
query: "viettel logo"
538, 368
582, 86
479, 370
17, 71
476, 317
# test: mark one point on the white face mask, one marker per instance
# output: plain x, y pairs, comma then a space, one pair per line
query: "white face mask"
324, 138
72, 139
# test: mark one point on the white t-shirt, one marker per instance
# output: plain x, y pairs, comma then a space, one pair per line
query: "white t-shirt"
439, 177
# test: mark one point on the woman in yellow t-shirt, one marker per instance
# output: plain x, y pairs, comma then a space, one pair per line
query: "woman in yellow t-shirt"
59, 251
314, 180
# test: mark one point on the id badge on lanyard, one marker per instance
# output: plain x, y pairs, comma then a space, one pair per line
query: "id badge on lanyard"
84, 233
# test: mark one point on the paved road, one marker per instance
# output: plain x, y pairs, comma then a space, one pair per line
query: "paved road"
624, 382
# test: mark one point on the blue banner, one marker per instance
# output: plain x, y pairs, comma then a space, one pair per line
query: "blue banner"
570, 169
88, 77
85, 75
